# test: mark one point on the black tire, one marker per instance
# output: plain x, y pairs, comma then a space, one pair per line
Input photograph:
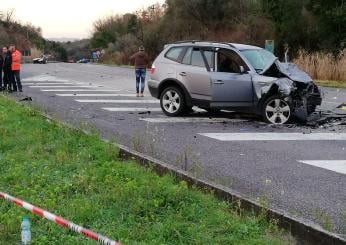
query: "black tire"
170, 98
276, 110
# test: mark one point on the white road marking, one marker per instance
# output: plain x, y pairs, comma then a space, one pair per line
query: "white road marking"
275, 136
121, 101
338, 166
44, 78
42, 84
329, 102
96, 95
79, 90
66, 86
131, 109
190, 120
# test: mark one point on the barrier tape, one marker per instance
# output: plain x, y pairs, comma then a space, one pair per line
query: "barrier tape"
59, 220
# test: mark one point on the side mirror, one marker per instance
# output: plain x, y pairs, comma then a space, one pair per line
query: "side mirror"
242, 70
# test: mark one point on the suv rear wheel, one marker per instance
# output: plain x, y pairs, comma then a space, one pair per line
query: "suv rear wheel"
276, 110
172, 102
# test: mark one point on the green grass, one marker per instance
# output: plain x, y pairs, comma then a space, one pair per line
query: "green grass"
332, 84
81, 178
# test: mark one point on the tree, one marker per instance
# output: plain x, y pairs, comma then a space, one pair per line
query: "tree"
331, 22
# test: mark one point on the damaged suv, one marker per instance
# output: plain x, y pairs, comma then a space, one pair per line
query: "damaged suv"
229, 76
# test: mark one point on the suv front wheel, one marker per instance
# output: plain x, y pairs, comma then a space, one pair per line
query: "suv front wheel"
276, 110
172, 102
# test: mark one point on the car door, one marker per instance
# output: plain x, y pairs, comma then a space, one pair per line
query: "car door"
231, 84
194, 74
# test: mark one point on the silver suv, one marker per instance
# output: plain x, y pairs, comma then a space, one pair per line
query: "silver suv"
229, 76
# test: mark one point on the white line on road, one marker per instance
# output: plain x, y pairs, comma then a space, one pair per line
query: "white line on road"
96, 95
190, 120
41, 84
44, 78
71, 86
338, 166
131, 109
275, 136
79, 90
121, 101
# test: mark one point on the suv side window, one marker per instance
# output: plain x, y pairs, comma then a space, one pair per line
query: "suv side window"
210, 56
174, 53
197, 58
187, 57
229, 61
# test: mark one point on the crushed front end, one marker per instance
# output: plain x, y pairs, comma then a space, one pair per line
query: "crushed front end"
305, 98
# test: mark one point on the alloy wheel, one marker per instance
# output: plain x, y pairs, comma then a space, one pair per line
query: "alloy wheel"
277, 111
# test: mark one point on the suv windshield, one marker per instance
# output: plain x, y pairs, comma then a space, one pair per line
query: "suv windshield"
258, 58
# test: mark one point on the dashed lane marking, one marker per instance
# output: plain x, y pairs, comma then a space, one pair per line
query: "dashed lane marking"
65, 86
275, 136
191, 120
131, 109
44, 78
96, 95
338, 166
80, 90
139, 101
45, 84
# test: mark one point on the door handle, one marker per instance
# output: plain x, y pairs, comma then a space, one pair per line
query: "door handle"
183, 74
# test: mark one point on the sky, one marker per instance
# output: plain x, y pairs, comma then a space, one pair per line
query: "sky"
70, 18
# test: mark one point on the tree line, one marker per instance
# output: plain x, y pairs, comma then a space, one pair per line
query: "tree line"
311, 25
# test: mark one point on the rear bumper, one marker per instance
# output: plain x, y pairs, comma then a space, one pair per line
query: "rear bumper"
154, 88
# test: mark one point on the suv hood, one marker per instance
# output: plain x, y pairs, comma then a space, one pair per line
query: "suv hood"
289, 70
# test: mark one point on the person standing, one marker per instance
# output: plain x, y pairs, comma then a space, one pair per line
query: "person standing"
140, 59
15, 74
7, 68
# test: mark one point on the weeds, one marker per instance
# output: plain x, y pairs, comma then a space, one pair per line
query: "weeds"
322, 66
79, 177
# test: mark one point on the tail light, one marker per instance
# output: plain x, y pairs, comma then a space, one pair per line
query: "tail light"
152, 70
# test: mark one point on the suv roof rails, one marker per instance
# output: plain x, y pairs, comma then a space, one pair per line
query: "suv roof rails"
187, 41
199, 41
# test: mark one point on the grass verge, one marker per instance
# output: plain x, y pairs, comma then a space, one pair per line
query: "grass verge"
331, 84
80, 177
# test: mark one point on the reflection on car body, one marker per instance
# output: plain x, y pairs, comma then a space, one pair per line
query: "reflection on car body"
228, 76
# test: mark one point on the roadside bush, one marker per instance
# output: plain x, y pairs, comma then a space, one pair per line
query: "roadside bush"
323, 66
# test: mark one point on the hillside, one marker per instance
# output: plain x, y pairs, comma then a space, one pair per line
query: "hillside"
28, 38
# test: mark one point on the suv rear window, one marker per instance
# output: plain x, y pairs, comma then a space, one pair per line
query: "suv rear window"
174, 53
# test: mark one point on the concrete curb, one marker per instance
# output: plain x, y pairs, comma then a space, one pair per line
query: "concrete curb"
306, 232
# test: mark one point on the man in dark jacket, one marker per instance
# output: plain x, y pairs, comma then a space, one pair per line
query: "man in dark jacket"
140, 59
7, 68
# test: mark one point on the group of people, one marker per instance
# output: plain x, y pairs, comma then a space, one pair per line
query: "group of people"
10, 69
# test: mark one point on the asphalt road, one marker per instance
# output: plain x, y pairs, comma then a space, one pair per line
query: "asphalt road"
304, 176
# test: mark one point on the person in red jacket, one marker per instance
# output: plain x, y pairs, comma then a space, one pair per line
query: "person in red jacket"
15, 74
140, 59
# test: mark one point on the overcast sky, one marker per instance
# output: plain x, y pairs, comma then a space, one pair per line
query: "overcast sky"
69, 18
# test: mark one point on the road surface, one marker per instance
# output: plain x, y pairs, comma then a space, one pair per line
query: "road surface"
298, 169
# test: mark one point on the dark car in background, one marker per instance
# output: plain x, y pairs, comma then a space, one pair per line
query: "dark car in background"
229, 76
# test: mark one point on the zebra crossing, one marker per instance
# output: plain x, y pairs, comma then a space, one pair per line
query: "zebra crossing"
94, 94
121, 99
97, 95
